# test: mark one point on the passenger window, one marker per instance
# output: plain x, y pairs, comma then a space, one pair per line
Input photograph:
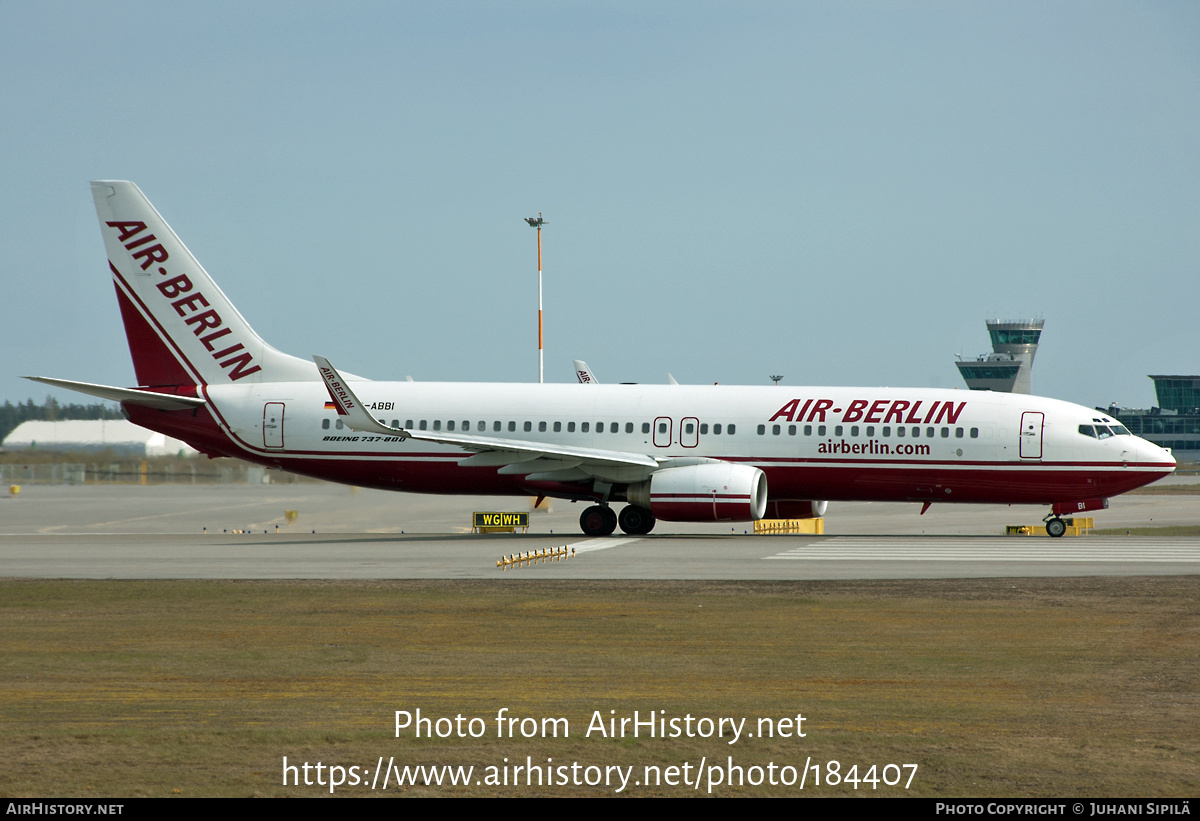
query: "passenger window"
557, 427
449, 425
324, 424
690, 427
408, 423
974, 433
584, 427
731, 429
870, 430
629, 427
496, 426
837, 431
887, 431
820, 430
945, 433
704, 427
424, 425
645, 427
717, 429
437, 424
570, 427
958, 433
900, 431
791, 430
395, 423
482, 426
466, 425
599, 427
808, 430
854, 430
615, 427
762, 429
662, 427
541, 427
929, 432
528, 426
512, 427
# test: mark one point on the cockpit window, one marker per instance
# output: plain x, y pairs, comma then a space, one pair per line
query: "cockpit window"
1102, 432
1121, 430
1087, 430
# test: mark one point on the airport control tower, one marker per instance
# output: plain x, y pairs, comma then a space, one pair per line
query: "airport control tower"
1010, 365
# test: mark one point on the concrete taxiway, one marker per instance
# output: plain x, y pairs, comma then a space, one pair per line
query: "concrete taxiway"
188, 532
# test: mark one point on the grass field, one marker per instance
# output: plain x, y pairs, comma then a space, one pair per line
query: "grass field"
1168, 490
1025, 687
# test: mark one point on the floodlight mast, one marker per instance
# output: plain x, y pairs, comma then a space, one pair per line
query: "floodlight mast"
537, 223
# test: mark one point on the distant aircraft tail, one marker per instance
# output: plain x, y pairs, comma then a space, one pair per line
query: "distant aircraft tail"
182, 329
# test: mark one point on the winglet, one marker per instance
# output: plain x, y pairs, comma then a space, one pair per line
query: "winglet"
349, 405
584, 374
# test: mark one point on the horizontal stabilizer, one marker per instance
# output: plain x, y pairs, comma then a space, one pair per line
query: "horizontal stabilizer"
147, 399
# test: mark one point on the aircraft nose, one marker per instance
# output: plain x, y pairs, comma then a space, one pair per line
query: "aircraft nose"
1150, 453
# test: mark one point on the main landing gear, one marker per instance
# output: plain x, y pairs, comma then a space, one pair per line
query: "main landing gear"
600, 520
637, 521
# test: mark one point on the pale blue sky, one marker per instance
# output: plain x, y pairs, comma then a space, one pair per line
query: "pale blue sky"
837, 192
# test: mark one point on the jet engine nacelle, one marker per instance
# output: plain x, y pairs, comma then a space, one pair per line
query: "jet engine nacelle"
711, 492
792, 509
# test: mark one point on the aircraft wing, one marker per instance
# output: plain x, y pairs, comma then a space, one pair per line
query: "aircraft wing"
357, 418
147, 399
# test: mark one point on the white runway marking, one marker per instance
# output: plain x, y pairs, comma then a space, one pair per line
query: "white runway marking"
601, 544
849, 548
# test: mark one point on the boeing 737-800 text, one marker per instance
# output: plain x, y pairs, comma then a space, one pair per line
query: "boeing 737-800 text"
672, 452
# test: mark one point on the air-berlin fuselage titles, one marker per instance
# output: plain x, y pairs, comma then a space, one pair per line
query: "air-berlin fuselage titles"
671, 452
880, 411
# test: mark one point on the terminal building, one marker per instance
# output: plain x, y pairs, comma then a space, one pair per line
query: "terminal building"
1009, 367
1175, 423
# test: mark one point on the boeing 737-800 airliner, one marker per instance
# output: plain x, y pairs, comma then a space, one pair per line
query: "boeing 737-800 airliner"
671, 452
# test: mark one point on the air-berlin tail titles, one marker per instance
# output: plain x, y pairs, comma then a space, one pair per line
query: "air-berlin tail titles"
179, 285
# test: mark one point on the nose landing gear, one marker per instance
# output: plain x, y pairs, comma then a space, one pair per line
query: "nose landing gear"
1055, 526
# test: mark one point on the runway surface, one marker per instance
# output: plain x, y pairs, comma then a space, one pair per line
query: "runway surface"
188, 532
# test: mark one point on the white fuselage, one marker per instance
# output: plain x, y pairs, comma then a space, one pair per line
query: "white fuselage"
813, 443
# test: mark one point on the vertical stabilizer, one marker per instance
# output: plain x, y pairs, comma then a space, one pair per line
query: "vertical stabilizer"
181, 328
